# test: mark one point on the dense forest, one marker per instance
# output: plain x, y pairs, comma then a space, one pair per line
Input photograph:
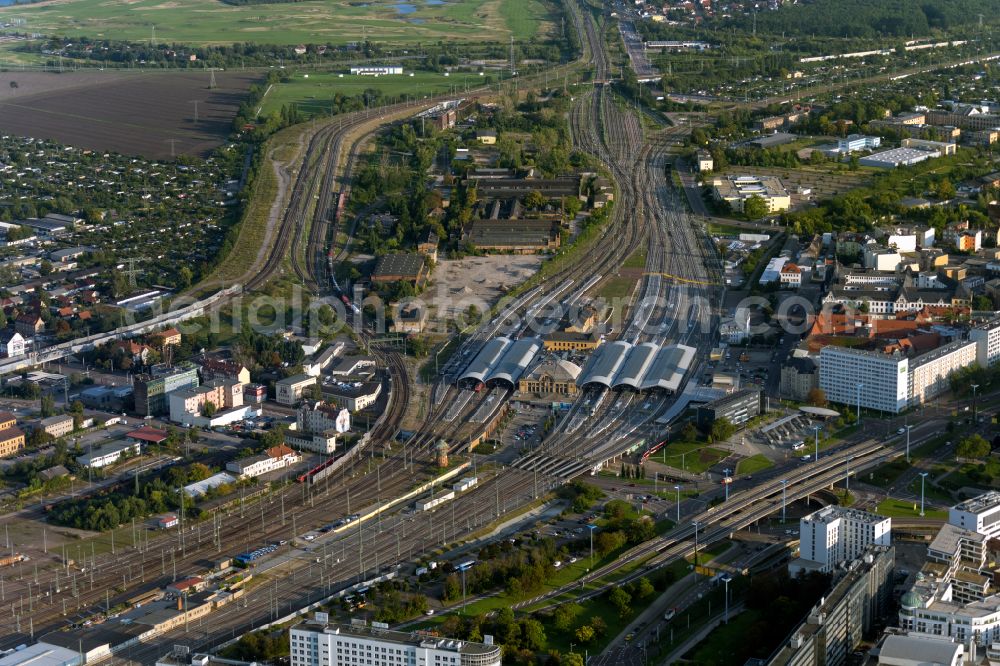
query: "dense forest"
861, 18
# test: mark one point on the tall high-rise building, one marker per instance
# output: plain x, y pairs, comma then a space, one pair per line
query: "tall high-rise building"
835, 535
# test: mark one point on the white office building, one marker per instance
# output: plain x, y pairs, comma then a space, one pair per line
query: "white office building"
980, 514
891, 382
316, 643
835, 535
855, 142
873, 380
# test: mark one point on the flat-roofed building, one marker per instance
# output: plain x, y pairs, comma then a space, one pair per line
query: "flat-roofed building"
834, 535
858, 600
41, 654
400, 268
736, 190
289, 391
322, 644
737, 408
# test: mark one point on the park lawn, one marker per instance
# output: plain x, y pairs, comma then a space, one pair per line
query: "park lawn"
895, 508
694, 457
753, 464
313, 92
205, 22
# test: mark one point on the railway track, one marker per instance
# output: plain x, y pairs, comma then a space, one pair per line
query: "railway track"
145, 565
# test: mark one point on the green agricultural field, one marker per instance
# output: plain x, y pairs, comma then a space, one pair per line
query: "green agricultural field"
206, 22
313, 92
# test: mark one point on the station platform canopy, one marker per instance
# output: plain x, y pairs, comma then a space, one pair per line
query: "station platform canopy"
502, 360
642, 367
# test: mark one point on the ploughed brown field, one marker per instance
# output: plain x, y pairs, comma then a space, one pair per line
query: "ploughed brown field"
134, 113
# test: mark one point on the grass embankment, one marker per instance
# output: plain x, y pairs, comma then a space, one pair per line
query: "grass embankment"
284, 148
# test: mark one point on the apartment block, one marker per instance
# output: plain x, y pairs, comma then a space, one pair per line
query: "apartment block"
987, 339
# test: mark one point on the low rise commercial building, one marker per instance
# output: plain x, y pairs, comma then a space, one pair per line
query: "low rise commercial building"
274, 458
208, 404
355, 396
108, 454
736, 190
855, 142
916, 650
290, 390
57, 426
42, 654
737, 408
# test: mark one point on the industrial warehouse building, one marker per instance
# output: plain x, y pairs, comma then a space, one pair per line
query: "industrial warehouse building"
896, 157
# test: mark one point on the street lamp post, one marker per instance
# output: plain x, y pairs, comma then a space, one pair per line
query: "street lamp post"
908, 443
591, 527
784, 482
816, 430
974, 387
923, 476
696, 543
678, 489
726, 579
726, 481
